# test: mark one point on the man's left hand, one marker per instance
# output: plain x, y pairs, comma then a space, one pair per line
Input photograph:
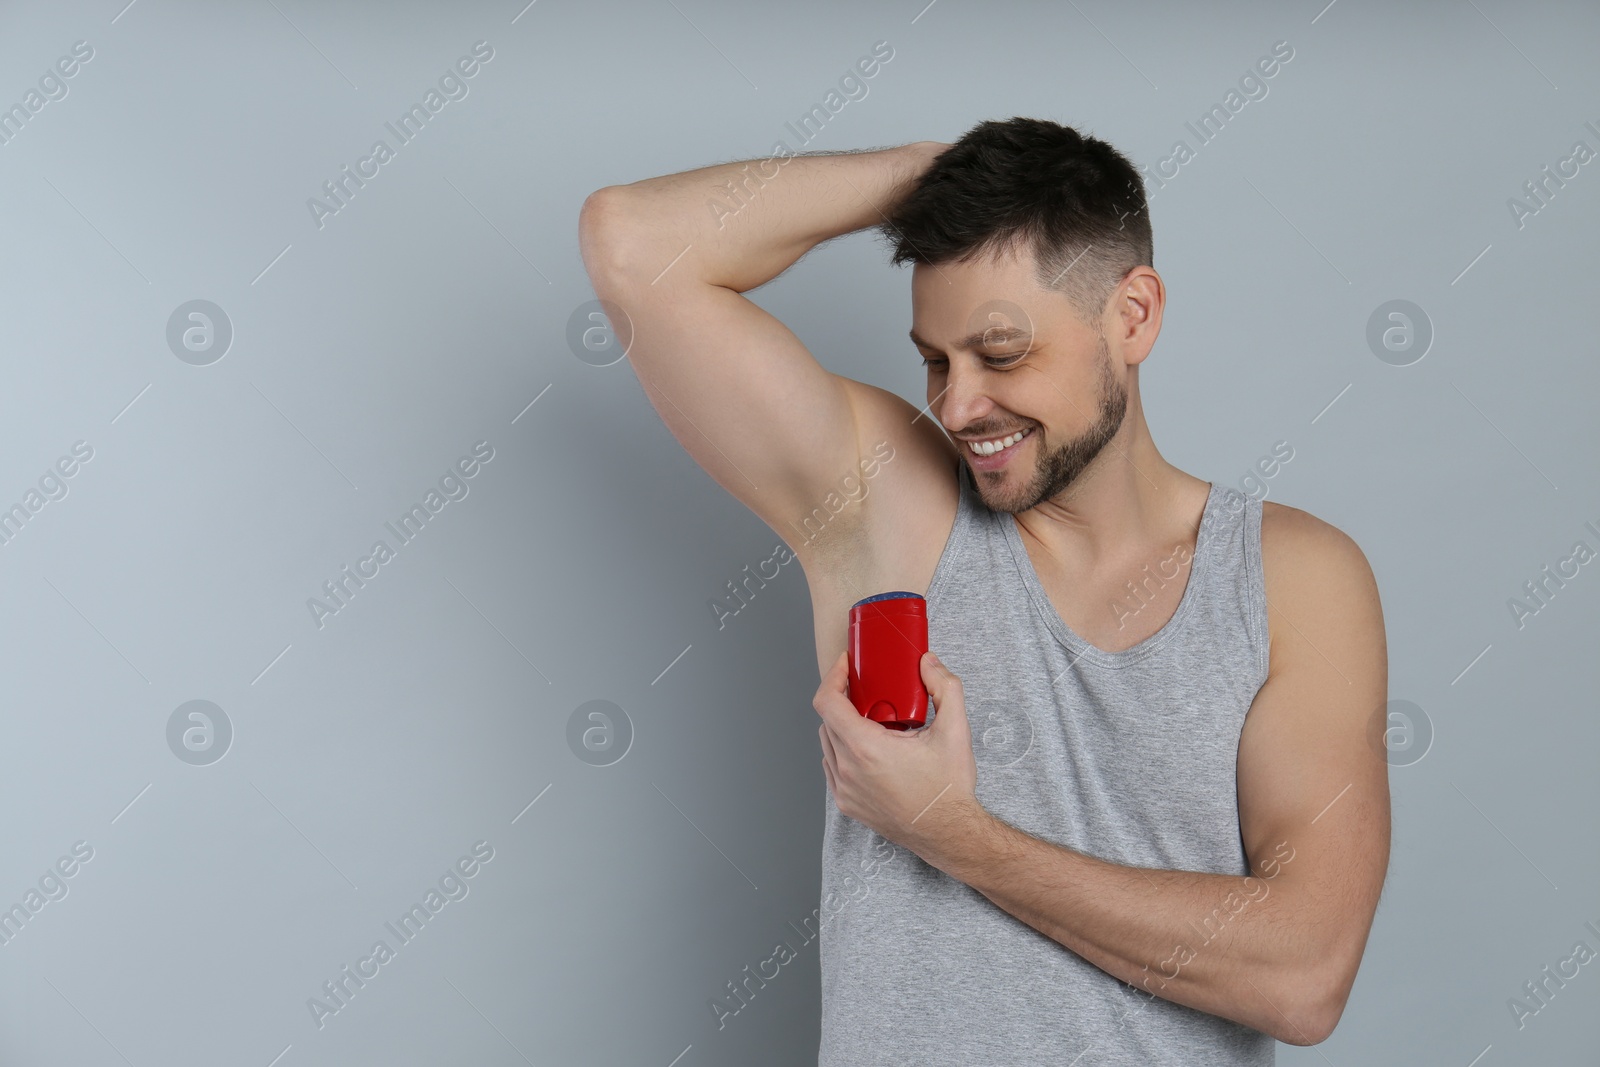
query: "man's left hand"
914, 787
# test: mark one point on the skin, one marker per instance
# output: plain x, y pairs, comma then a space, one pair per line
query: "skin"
1093, 501
1018, 346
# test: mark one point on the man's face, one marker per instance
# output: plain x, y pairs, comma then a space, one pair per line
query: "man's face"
1009, 357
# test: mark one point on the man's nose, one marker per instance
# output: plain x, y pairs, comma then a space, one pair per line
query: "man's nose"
963, 400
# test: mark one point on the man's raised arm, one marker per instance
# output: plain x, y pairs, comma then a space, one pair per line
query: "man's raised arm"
735, 387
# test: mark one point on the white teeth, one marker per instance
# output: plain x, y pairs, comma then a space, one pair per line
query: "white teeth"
989, 448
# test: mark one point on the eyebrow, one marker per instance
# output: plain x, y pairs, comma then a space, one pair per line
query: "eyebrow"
994, 335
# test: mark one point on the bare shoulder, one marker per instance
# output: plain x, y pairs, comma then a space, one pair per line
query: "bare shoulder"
921, 484
1310, 568
1297, 541
885, 523
904, 479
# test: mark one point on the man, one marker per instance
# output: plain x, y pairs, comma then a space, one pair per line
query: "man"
1162, 836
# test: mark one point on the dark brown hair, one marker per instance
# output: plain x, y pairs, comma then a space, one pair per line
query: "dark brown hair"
1077, 202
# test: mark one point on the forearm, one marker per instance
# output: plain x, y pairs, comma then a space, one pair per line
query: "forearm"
1227, 945
740, 225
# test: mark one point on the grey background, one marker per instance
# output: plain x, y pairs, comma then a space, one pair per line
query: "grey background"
371, 353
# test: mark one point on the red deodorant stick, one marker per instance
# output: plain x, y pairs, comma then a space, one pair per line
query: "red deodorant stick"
888, 636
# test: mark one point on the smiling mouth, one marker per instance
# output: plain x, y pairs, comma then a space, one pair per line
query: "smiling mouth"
992, 447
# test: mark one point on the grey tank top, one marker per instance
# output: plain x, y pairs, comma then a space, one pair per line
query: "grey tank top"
1127, 756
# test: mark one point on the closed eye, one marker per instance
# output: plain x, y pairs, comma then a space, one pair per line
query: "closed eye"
995, 362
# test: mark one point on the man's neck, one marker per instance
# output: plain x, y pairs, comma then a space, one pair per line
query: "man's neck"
1127, 503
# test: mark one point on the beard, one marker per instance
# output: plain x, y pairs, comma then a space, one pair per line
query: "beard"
1059, 467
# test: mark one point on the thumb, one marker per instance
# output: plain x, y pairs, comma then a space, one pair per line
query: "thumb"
949, 698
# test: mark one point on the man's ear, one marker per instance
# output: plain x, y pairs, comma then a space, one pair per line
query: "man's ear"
1137, 319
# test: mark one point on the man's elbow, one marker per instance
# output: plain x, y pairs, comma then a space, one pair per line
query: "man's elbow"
1319, 1007
603, 223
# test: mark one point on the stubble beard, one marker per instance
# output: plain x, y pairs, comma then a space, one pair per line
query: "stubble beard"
1058, 468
